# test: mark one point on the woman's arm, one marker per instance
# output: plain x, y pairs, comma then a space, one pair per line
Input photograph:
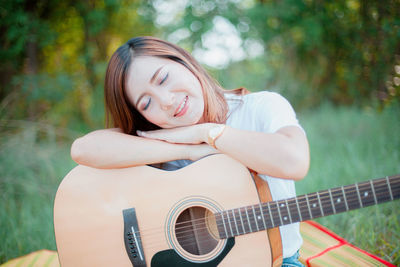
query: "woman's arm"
283, 154
110, 148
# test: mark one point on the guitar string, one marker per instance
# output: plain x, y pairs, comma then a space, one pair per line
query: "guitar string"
324, 198
201, 239
300, 198
180, 232
252, 221
277, 218
188, 240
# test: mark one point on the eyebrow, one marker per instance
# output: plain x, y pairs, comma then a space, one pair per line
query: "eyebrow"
155, 74
151, 81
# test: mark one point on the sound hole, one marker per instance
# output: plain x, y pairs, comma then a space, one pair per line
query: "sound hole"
196, 230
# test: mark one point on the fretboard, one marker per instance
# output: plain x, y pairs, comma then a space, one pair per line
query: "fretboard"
272, 214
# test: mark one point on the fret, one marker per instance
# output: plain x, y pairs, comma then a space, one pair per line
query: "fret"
241, 220
390, 190
267, 215
223, 226
248, 220
229, 222
394, 183
373, 191
270, 215
308, 205
351, 196
345, 200
326, 203
314, 205
258, 217
275, 213
358, 194
381, 188
283, 211
320, 205
297, 204
338, 199
255, 218
366, 194
304, 208
293, 210
263, 216
288, 211
332, 203
279, 212
234, 219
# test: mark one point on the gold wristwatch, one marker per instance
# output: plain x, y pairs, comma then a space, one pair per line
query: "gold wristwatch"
214, 133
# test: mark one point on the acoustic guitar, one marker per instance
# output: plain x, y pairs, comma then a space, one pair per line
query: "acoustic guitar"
206, 214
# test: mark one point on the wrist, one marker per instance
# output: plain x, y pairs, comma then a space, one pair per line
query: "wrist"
214, 132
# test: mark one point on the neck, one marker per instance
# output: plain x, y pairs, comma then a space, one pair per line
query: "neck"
272, 214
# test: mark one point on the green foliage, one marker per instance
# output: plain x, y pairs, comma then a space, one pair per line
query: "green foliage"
314, 50
55, 54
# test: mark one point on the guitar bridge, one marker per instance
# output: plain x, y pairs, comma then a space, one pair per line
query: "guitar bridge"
133, 243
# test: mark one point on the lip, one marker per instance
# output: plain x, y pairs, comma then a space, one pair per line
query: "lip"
184, 109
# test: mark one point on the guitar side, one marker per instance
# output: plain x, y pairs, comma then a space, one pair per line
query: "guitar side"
88, 212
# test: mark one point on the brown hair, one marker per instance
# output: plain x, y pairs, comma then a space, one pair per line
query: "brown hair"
124, 115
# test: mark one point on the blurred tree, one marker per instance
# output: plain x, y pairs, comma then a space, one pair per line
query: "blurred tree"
314, 50
55, 53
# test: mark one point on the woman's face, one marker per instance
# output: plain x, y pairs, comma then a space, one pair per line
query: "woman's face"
165, 92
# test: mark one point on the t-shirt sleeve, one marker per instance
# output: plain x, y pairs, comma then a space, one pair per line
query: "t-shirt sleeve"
274, 112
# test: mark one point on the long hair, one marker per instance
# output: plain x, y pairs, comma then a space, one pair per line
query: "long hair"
122, 114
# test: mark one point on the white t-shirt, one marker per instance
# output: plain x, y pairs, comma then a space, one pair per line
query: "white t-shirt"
268, 112
264, 112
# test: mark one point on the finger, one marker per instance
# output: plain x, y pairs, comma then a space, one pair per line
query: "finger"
149, 135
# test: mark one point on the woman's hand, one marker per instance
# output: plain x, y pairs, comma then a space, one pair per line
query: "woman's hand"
193, 134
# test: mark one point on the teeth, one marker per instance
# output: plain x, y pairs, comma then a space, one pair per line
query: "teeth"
182, 105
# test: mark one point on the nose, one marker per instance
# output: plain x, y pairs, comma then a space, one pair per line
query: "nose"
167, 100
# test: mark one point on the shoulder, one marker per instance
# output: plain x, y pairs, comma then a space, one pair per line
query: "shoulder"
262, 101
265, 97
265, 103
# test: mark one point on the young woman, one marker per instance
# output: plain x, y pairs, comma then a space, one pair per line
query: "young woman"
167, 109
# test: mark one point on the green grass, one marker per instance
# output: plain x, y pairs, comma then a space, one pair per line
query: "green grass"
347, 145
30, 171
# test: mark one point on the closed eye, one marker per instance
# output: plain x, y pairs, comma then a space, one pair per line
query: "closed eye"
164, 79
147, 105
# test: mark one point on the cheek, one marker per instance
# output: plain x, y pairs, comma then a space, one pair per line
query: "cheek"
156, 118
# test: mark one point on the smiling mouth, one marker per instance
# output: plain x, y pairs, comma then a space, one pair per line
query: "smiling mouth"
182, 108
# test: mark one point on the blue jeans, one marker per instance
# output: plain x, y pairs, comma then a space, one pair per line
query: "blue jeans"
292, 261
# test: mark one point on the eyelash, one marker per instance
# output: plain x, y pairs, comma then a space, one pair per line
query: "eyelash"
164, 79
161, 82
147, 105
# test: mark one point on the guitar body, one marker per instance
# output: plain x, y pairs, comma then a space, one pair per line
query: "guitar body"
89, 223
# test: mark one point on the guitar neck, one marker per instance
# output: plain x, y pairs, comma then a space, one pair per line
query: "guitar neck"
272, 214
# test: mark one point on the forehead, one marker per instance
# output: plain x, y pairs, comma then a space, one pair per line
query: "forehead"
140, 73
143, 68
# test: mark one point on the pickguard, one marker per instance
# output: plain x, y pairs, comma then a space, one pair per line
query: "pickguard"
169, 258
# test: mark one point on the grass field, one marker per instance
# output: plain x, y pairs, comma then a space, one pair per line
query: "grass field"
347, 145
